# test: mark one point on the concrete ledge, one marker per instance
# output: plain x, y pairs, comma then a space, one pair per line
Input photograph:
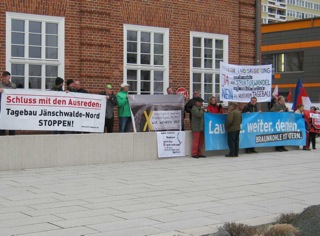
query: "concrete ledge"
35, 151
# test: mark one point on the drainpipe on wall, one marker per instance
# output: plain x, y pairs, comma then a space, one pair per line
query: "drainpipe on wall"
258, 31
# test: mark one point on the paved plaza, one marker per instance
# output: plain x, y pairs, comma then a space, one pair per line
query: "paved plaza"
179, 196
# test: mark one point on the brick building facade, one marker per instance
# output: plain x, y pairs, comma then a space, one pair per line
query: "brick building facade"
149, 44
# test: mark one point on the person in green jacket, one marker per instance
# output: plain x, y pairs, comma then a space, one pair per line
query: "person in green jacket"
124, 113
232, 125
197, 127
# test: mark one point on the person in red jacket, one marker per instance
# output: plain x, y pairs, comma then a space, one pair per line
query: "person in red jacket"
314, 128
214, 107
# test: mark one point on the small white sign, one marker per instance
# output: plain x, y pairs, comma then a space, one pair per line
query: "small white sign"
171, 144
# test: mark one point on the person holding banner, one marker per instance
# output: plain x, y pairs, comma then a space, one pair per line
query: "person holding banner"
110, 105
124, 113
6, 84
232, 125
78, 87
214, 107
313, 130
70, 86
197, 128
191, 103
300, 110
251, 107
58, 84
170, 91
280, 106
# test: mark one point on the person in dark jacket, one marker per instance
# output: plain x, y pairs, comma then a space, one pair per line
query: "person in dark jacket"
190, 103
58, 87
280, 106
78, 88
251, 107
5, 83
70, 86
232, 125
58, 84
197, 127
110, 105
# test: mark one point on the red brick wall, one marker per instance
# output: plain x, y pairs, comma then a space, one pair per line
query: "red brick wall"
94, 32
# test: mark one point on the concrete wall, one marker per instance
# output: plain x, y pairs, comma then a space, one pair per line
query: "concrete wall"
34, 151
37, 151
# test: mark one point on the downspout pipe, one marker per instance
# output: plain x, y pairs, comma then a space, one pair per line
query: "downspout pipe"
258, 32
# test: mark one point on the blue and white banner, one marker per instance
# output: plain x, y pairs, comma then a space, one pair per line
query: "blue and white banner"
258, 130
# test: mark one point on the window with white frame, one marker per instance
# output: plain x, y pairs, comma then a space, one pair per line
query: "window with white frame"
34, 49
264, 8
146, 59
207, 51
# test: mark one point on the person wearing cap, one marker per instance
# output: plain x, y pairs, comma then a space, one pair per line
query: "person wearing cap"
197, 128
110, 104
6, 84
124, 113
232, 126
58, 84
78, 88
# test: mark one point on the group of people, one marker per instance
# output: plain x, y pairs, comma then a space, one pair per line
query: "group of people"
194, 107
119, 100
233, 123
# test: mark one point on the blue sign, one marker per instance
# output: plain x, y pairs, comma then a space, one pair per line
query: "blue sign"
263, 129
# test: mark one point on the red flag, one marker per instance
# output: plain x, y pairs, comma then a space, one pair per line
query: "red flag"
301, 97
289, 96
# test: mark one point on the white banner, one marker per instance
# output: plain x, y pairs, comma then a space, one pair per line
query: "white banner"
48, 110
171, 144
168, 119
157, 112
314, 115
240, 83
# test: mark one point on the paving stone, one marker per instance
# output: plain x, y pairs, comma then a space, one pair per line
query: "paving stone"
178, 196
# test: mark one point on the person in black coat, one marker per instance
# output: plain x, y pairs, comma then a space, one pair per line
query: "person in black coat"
251, 107
191, 103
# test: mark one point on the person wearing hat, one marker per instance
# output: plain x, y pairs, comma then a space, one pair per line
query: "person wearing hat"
110, 104
58, 84
197, 128
232, 125
124, 113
